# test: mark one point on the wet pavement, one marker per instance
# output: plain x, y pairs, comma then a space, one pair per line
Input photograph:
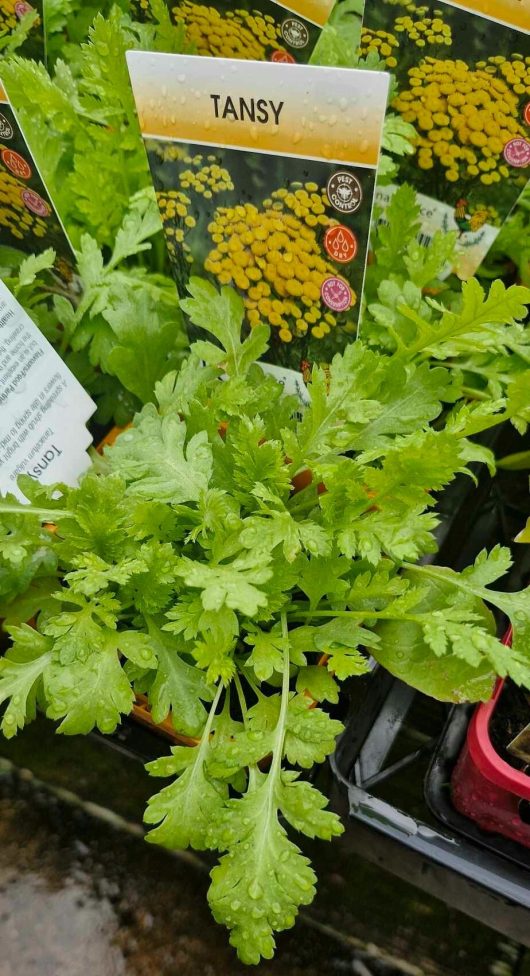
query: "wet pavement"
80, 891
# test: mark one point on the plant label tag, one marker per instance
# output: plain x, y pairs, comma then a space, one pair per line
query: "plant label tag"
257, 30
463, 81
265, 181
29, 221
43, 408
23, 22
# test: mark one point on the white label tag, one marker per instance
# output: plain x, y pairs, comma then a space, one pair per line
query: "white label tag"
43, 408
472, 246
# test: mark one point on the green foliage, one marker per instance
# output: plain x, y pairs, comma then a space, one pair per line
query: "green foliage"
478, 336
121, 330
193, 572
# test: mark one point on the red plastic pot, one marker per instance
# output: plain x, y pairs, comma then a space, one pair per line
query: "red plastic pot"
484, 787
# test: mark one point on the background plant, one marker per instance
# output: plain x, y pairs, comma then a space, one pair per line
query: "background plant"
186, 566
464, 94
411, 305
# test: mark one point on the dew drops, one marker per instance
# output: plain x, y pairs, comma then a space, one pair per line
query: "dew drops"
255, 890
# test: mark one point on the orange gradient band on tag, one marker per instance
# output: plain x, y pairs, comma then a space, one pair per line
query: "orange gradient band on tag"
3, 94
317, 11
513, 13
333, 114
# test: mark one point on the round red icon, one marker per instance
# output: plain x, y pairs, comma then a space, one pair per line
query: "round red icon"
34, 202
16, 164
283, 57
527, 113
336, 294
22, 8
517, 152
340, 243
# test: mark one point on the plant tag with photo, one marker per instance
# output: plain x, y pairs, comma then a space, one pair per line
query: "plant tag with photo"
22, 23
43, 408
29, 221
253, 30
265, 180
463, 80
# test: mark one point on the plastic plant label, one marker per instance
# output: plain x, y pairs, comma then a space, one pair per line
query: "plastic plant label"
265, 180
28, 219
463, 81
253, 30
43, 408
22, 23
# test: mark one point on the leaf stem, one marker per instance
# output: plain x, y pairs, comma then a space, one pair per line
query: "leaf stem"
241, 697
205, 737
277, 751
46, 514
355, 614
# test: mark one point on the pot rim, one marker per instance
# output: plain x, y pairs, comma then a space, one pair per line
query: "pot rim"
495, 769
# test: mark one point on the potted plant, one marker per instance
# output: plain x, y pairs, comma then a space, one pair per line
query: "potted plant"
490, 783
186, 568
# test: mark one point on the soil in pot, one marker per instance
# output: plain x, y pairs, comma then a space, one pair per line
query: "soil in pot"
510, 717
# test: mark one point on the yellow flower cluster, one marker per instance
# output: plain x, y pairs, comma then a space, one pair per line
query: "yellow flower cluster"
274, 257
406, 4
202, 178
14, 215
168, 152
206, 181
483, 213
379, 42
515, 71
465, 117
8, 15
239, 34
424, 30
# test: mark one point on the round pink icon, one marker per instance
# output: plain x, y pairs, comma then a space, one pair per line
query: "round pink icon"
517, 152
336, 294
34, 202
23, 8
